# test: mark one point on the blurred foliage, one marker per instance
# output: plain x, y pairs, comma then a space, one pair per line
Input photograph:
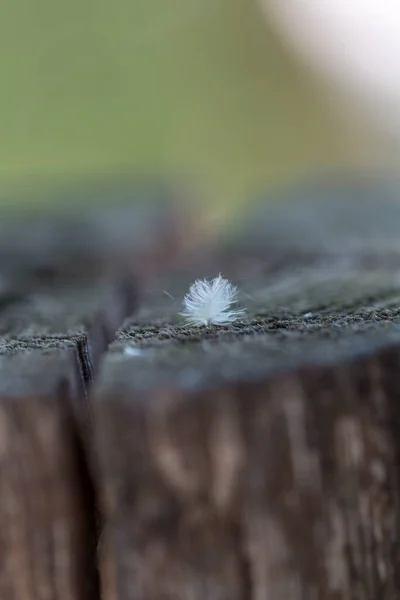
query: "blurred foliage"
199, 88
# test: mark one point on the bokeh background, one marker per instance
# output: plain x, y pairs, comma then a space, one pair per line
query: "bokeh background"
202, 90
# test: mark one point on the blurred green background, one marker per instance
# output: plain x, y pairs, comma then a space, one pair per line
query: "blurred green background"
200, 89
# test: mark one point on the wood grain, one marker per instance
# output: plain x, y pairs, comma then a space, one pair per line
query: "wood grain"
47, 500
66, 284
260, 460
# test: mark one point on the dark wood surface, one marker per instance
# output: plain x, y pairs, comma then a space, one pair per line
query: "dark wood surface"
67, 281
251, 461
47, 502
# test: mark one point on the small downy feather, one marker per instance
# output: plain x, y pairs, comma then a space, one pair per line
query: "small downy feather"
210, 302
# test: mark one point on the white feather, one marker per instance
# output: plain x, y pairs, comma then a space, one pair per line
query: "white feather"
210, 302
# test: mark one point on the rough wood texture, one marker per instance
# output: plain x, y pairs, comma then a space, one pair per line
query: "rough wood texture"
66, 284
84, 315
248, 462
47, 503
74, 274
260, 460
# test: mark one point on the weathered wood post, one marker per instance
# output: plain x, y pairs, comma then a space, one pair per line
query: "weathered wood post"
143, 459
